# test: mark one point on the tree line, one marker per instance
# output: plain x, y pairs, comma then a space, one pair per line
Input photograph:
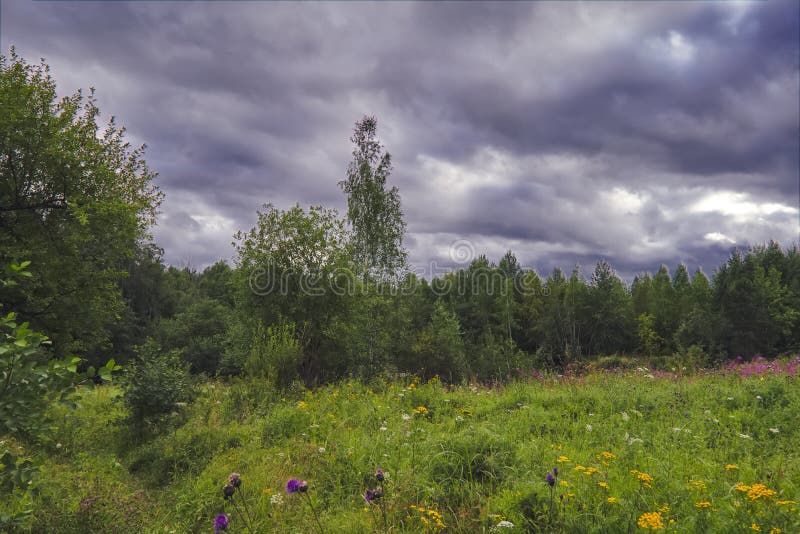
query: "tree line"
77, 201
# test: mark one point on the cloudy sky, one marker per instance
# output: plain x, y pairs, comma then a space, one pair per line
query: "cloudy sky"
642, 133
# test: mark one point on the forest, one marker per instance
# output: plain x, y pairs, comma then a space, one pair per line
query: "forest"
312, 299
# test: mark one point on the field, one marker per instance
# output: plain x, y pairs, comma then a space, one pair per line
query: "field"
633, 450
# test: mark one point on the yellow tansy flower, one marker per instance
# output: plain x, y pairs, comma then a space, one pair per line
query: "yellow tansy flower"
651, 521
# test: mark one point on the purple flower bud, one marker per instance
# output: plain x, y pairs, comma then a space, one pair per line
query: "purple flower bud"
235, 480
555, 471
303, 487
221, 523
379, 475
293, 486
551, 480
228, 491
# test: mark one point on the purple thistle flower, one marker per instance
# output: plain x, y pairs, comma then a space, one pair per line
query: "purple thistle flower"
551, 480
369, 496
235, 480
379, 475
293, 486
303, 487
555, 471
221, 523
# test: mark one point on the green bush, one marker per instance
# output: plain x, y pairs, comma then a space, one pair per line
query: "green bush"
275, 355
155, 384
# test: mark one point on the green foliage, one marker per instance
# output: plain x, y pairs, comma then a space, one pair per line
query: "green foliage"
439, 348
155, 384
373, 211
275, 355
75, 199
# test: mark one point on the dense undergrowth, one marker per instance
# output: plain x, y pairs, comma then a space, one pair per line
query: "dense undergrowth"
632, 450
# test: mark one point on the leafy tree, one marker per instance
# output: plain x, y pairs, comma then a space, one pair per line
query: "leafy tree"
74, 198
373, 211
294, 266
439, 348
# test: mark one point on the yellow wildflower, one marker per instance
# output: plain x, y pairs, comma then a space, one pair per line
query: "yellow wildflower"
757, 491
644, 478
775, 530
580, 468
754, 526
651, 521
699, 485
608, 456
703, 504
603, 484
562, 459
591, 471
564, 483
420, 410
611, 500
783, 503
731, 467
302, 404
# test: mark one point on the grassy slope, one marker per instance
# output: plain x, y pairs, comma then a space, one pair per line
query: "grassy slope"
478, 456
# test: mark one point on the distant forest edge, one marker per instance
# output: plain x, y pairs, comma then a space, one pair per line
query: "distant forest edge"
77, 202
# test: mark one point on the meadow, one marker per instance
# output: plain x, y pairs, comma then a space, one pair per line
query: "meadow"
605, 451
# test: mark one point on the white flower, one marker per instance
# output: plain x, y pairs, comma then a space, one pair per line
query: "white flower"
625, 416
58, 445
730, 398
406, 417
588, 428
505, 524
383, 429
676, 429
744, 436
459, 418
276, 499
401, 394
774, 430
758, 397
322, 449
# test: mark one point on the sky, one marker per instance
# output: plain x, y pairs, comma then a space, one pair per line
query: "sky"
640, 133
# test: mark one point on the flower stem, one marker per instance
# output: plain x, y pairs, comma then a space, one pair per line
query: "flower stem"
314, 511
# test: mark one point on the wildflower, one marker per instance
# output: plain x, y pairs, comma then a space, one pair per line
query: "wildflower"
611, 500
420, 410
754, 526
607, 455
294, 485
702, 504
699, 485
651, 521
591, 471
774, 430
644, 478
302, 404
757, 491
321, 449
580, 468
228, 491
406, 417
276, 500
555, 471
588, 428
383, 429
564, 483
775, 530
784, 503
731, 467
744, 436
373, 494
603, 485
235, 480
551, 480
267, 490
625, 416
379, 475
221, 523
505, 524
562, 459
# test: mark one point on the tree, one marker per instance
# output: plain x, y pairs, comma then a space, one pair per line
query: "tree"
373, 211
293, 267
439, 347
75, 199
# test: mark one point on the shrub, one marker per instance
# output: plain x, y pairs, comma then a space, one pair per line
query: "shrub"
155, 384
275, 355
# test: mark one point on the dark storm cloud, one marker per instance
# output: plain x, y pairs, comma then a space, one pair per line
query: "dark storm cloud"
568, 132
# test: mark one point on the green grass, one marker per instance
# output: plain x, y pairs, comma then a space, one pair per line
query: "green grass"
475, 456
